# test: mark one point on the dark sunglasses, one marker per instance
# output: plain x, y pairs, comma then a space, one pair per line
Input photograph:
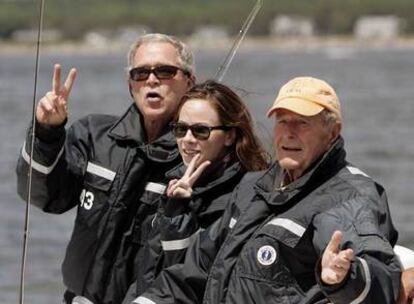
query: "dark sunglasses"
199, 131
161, 72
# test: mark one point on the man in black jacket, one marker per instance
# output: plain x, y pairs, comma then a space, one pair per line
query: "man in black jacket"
109, 167
278, 241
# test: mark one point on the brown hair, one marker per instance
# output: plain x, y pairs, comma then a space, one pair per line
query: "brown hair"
232, 112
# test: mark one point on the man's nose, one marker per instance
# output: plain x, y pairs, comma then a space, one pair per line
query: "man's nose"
290, 128
152, 78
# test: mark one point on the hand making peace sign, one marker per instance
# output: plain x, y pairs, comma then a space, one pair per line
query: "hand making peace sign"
52, 109
182, 188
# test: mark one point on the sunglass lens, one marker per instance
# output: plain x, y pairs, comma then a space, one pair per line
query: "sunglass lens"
201, 132
180, 130
165, 72
138, 74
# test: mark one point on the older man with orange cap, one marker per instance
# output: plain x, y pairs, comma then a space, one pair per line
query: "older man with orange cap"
311, 229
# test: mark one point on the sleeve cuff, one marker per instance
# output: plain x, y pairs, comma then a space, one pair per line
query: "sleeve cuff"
50, 134
174, 206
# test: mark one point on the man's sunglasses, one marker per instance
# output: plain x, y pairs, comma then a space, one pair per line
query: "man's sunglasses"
199, 131
161, 72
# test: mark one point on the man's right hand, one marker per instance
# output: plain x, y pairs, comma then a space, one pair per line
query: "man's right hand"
407, 287
52, 109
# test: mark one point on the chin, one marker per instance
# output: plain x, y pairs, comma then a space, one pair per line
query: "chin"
155, 112
186, 161
289, 163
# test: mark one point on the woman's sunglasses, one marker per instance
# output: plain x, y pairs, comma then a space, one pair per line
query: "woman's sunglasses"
161, 72
199, 131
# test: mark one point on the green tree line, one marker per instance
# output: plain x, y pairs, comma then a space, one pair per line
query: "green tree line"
181, 17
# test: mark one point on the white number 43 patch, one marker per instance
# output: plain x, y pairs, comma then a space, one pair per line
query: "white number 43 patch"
86, 199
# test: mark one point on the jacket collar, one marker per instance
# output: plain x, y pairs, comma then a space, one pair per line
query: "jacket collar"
163, 149
130, 128
268, 185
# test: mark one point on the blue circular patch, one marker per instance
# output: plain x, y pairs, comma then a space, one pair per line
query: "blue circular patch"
266, 255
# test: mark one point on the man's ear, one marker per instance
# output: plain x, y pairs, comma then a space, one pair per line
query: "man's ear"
191, 80
336, 131
130, 88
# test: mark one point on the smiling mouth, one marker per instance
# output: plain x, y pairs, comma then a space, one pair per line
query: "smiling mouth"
191, 153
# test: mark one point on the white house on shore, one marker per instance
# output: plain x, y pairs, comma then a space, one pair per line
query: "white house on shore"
121, 37
292, 26
378, 27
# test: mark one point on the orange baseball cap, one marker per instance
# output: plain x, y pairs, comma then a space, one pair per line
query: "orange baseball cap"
307, 96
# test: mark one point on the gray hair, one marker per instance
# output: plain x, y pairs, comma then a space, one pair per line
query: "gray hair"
329, 117
185, 56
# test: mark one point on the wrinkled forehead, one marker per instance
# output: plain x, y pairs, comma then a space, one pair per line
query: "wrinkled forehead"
155, 54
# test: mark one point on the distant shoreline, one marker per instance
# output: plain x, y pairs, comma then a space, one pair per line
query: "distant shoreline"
249, 43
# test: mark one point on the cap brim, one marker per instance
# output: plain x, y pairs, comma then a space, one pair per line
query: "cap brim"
296, 105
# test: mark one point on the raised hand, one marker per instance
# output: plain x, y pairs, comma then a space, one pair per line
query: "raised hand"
183, 187
335, 262
52, 109
407, 287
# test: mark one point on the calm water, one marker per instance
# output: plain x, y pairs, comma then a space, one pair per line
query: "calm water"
375, 86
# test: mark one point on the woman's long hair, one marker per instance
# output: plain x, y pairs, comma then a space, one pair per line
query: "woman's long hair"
232, 112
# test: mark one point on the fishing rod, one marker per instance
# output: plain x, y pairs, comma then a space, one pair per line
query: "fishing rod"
242, 33
29, 182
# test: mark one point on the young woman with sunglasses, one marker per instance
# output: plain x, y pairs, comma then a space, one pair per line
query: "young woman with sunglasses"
215, 137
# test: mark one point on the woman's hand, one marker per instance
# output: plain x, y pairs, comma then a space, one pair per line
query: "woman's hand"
183, 187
